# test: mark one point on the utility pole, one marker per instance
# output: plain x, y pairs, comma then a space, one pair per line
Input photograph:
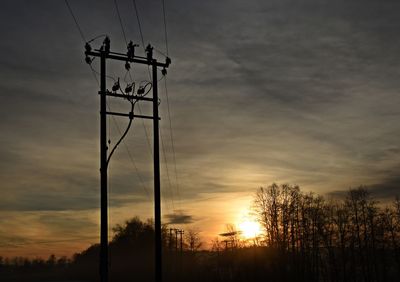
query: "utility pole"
105, 53
181, 238
156, 155
176, 240
103, 167
170, 240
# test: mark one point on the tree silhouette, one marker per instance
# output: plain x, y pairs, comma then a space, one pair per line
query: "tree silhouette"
305, 238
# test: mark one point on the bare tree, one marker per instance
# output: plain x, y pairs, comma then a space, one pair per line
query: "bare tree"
193, 240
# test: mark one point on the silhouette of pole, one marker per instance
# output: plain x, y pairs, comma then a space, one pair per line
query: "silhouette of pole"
176, 240
181, 238
103, 172
157, 196
105, 53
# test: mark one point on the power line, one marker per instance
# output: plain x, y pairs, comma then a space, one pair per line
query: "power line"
165, 27
140, 26
140, 31
145, 133
94, 74
120, 21
167, 169
76, 21
172, 139
166, 94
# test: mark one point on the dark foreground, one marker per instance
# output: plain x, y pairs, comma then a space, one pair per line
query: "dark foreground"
306, 239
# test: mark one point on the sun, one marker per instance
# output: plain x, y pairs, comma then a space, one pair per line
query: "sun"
250, 229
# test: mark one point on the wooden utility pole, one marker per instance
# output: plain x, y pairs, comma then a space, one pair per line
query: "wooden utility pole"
105, 53
103, 166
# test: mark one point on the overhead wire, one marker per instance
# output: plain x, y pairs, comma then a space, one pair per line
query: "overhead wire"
94, 72
120, 21
140, 31
167, 169
76, 21
139, 25
129, 124
165, 27
97, 37
131, 79
167, 98
172, 140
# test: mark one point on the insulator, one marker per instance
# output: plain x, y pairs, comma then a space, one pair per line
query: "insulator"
131, 50
127, 66
88, 48
128, 88
116, 86
164, 71
167, 61
106, 43
149, 51
88, 60
140, 91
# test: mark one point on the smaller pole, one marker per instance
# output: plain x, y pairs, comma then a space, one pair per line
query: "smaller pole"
176, 240
181, 233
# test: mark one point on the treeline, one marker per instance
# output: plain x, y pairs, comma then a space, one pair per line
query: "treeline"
33, 269
306, 238
21, 262
352, 239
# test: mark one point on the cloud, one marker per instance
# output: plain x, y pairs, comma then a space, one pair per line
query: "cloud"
386, 190
179, 217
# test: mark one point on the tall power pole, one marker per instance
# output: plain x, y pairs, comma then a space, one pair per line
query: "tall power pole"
105, 53
103, 170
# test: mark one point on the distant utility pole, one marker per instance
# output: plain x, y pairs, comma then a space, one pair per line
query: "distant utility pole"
104, 53
181, 238
170, 238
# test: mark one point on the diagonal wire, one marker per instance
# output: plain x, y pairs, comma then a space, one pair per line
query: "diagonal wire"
167, 170
140, 31
168, 105
120, 21
172, 139
165, 27
138, 20
76, 21
94, 74
145, 132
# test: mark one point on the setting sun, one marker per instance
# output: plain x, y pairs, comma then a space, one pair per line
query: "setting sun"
249, 229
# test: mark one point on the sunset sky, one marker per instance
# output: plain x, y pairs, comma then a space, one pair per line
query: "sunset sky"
300, 92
